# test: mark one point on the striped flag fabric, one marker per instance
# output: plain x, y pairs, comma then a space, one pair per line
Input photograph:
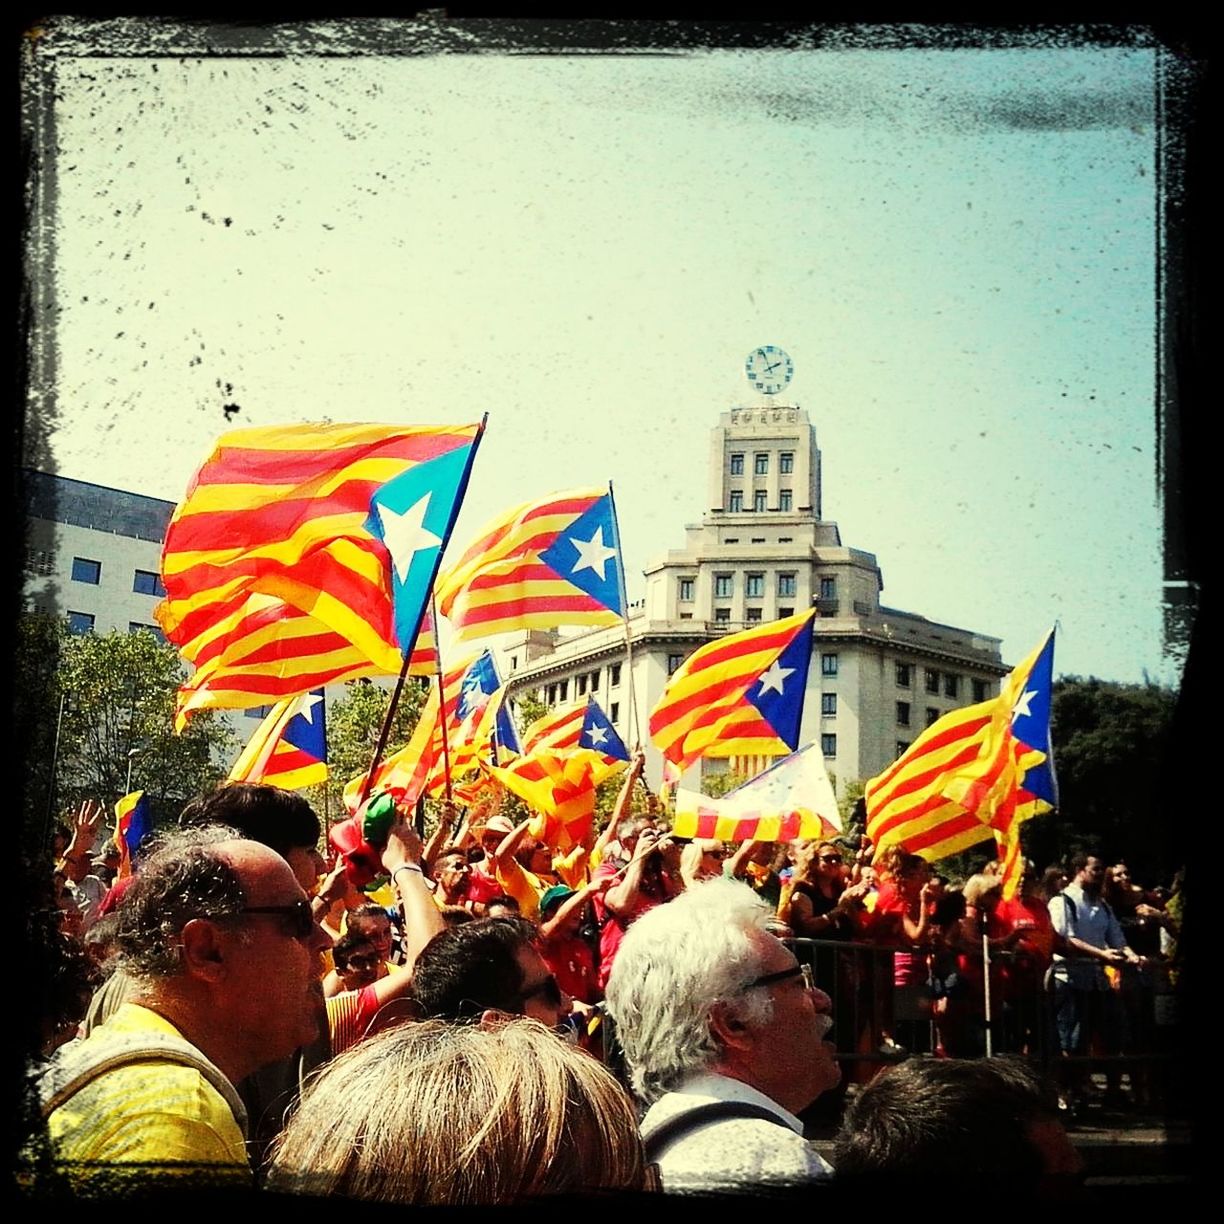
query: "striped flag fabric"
303, 555
978, 770
289, 748
581, 725
420, 766
559, 787
133, 823
793, 798
539, 565
737, 693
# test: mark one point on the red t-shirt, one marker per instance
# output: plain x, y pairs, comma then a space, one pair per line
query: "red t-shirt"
572, 963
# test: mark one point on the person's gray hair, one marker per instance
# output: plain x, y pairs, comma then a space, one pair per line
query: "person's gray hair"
675, 963
184, 878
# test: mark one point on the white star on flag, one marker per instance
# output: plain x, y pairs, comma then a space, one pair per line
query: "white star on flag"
305, 706
593, 554
775, 678
1022, 705
405, 534
598, 735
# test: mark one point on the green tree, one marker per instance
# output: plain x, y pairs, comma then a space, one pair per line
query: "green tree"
1110, 747
119, 696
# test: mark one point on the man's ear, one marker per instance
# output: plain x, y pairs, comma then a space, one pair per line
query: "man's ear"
492, 1018
728, 1027
204, 953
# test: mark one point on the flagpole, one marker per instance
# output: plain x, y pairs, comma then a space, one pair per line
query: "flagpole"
326, 788
433, 603
399, 684
624, 598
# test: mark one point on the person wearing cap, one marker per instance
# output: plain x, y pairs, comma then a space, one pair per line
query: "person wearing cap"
482, 883
523, 867
570, 957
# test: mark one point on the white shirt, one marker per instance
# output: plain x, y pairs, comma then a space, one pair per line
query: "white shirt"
731, 1155
1093, 922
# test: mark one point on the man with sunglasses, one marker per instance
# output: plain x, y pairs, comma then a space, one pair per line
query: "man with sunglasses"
223, 958
723, 1034
484, 970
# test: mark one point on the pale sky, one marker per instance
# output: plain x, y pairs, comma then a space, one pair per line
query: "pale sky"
957, 249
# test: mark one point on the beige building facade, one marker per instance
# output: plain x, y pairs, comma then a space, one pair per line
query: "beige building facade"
762, 551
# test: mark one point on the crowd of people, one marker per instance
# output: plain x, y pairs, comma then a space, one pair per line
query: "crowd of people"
493, 1022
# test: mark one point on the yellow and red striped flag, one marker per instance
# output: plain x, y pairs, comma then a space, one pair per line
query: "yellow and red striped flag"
793, 798
559, 787
289, 748
979, 769
303, 555
541, 564
736, 693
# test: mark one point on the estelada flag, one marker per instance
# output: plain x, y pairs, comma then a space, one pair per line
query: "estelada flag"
737, 694
289, 748
538, 565
133, 823
303, 555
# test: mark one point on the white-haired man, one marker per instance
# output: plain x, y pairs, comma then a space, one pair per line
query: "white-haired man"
723, 1034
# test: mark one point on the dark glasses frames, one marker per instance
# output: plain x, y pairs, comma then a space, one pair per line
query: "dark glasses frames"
803, 971
300, 922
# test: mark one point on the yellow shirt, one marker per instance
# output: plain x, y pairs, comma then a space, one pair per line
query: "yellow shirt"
148, 1114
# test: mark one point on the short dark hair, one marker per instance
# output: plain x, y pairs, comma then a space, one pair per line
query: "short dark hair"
174, 885
964, 1119
505, 901
345, 946
466, 969
278, 818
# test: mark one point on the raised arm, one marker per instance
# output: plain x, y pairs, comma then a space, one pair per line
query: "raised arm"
401, 858
437, 840
572, 905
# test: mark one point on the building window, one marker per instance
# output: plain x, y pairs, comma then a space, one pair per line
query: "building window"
580, 686
722, 616
902, 745
673, 662
784, 499
760, 464
903, 675
758, 501
786, 539
724, 586
257, 711
828, 704
979, 690
139, 627
786, 584
595, 681
731, 540
753, 616
903, 708
84, 570
686, 616
828, 588
552, 694
786, 462
687, 586
932, 681
757, 540
614, 711
80, 622
147, 583
828, 745
737, 504
40, 561
513, 662
737, 465
614, 675
754, 586
784, 612
932, 715
828, 665
563, 690
951, 685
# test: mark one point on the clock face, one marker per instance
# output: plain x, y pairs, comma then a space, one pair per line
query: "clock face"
769, 369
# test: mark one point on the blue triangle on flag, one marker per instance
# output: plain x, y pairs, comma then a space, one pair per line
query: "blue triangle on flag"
1030, 722
411, 516
307, 731
479, 681
599, 734
586, 554
778, 692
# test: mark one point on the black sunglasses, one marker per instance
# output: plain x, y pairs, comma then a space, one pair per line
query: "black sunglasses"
548, 990
301, 922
